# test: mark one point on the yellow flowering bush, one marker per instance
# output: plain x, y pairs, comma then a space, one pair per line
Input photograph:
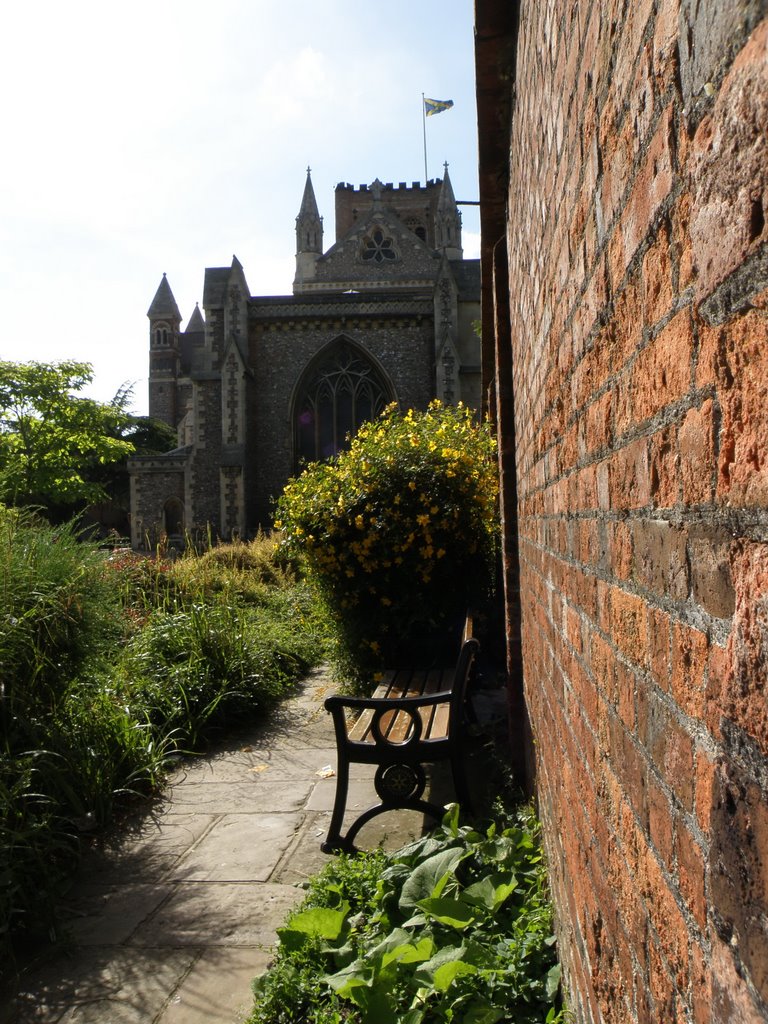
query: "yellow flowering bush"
399, 530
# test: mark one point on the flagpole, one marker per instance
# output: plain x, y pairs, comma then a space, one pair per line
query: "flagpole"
424, 128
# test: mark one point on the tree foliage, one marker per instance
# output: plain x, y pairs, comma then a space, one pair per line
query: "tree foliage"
53, 440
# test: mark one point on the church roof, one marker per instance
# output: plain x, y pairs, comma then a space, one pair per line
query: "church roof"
164, 303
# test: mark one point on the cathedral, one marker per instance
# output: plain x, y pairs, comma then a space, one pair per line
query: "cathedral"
256, 386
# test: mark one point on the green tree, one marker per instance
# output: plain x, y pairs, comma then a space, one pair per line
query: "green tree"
51, 437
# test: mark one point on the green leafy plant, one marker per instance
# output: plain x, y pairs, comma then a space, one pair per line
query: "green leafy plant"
399, 530
454, 927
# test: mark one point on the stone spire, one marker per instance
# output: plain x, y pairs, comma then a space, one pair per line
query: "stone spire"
309, 236
164, 327
448, 221
164, 305
309, 223
196, 322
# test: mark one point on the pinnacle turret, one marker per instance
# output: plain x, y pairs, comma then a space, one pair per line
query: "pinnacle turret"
309, 223
309, 236
448, 221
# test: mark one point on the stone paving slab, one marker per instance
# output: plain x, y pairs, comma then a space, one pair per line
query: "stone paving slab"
239, 848
108, 915
113, 985
218, 990
206, 914
250, 796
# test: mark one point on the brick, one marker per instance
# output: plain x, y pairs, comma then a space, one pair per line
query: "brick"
659, 656
662, 372
709, 550
657, 279
665, 918
743, 698
660, 828
620, 549
683, 267
691, 871
669, 746
704, 779
664, 482
730, 153
665, 59
690, 651
742, 466
630, 476
660, 560
651, 187
696, 448
662, 986
599, 429
701, 986
739, 869
628, 625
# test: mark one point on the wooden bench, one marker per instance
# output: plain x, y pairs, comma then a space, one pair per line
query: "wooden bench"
413, 718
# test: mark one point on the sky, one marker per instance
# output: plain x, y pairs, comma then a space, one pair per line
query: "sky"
166, 136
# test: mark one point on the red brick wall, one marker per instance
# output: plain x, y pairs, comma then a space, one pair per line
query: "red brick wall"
635, 172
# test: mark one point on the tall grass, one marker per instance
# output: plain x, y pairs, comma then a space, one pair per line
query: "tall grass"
111, 663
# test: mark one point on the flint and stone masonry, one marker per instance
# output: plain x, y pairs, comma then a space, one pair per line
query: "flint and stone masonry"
255, 385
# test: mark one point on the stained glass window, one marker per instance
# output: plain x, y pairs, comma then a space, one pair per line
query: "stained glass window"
342, 391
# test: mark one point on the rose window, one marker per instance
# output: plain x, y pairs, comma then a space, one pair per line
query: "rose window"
378, 248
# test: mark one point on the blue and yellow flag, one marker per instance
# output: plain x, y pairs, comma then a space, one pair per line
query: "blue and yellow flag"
436, 106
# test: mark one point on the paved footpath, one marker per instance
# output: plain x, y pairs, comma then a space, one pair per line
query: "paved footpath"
170, 923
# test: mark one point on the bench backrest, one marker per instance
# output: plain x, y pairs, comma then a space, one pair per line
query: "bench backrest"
461, 677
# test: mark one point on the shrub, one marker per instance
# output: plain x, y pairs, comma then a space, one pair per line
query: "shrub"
454, 927
399, 530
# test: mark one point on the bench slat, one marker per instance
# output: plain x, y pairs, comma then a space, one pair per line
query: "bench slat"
394, 681
397, 726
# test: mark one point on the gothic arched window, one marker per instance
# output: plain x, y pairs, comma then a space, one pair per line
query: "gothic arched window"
340, 391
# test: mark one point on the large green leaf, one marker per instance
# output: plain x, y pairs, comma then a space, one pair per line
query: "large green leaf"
428, 875
320, 921
445, 975
454, 913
